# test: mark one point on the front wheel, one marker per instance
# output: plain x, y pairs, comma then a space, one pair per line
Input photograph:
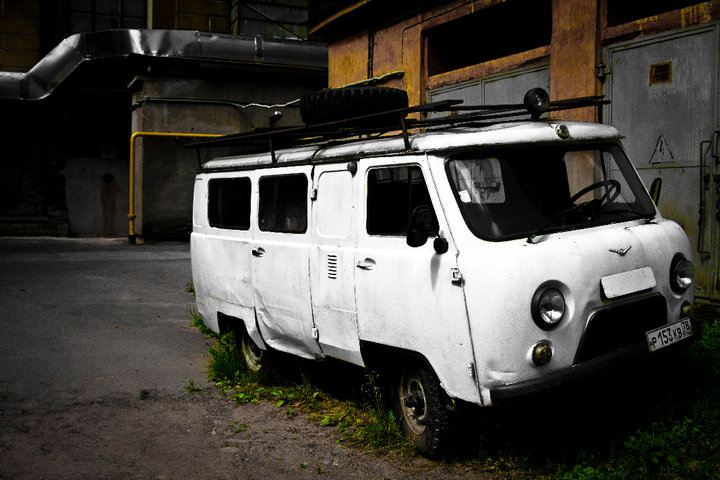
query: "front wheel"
423, 409
256, 360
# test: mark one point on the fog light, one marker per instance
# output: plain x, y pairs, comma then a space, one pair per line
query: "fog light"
541, 354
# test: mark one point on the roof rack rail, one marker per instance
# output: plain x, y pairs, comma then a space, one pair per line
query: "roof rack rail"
264, 139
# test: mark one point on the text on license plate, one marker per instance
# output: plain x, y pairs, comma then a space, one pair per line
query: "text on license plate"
669, 334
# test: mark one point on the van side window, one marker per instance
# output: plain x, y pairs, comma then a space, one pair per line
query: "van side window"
392, 195
283, 203
229, 203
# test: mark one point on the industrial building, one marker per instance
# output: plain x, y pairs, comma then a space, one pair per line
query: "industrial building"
657, 63
80, 78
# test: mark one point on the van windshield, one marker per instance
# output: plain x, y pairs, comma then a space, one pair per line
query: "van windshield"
516, 192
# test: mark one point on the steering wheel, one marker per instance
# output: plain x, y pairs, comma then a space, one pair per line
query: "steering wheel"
614, 189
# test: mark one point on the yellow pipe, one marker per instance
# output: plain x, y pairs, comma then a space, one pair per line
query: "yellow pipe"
131, 214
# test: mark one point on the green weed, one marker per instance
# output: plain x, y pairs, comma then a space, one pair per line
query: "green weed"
200, 325
677, 434
192, 388
682, 437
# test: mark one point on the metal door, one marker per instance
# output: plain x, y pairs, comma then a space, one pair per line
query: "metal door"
664, 100
332, 267
409, 297
281, 262
508, 87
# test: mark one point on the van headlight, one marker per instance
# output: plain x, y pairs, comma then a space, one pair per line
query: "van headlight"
548, 307
682, 273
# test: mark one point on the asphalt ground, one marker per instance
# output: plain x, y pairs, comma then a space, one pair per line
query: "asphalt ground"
89, 320
97, 358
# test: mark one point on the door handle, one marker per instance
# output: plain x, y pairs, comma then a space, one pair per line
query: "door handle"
367, 264
258, 252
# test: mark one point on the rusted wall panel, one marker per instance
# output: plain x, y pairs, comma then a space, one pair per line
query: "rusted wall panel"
685, 17
573, 54
347, 60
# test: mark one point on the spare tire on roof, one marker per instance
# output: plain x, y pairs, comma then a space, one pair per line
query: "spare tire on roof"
334, 104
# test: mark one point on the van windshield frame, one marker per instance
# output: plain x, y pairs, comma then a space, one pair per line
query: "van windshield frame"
524, 191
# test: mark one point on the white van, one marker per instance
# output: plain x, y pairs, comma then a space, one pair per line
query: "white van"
481, 261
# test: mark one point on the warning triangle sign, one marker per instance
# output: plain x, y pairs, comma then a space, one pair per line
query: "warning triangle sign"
662, 152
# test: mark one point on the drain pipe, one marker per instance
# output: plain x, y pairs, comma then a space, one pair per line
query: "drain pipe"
131, 215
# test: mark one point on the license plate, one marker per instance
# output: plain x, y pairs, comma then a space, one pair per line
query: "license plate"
668, 335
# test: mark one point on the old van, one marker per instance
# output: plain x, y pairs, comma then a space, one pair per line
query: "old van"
481, 259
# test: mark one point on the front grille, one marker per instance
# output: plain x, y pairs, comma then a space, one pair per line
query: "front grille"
621, 325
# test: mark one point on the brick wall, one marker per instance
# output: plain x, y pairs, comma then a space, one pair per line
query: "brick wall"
19, 34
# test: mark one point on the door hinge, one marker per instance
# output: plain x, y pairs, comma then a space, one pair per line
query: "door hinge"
471, 367
313, 194
455, 275
315, 333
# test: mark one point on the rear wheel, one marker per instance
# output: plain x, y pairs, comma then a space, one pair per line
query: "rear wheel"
256, 360
423, 409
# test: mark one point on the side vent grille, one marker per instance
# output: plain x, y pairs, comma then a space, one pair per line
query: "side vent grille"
332, 263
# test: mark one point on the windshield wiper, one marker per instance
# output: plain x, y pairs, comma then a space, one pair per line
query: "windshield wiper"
588, 211
554, 220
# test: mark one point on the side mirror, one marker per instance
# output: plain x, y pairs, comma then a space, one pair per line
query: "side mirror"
423, 225
655, 188
420, 226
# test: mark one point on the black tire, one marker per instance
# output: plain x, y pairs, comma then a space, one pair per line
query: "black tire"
257, 362
423, 409
334, 104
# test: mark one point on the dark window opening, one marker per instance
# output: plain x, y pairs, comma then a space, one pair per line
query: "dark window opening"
283, 204
504, 29
98, 15
393, 193
229, 203
619, 12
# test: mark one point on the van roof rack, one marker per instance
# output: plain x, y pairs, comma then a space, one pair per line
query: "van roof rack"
265, 139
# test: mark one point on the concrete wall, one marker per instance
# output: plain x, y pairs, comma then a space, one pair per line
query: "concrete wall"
165, 169
96, 196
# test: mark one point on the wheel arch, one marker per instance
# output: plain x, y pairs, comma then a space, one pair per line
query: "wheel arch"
229, 323
385, 357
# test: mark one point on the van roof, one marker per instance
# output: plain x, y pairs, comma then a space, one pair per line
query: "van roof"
544, 131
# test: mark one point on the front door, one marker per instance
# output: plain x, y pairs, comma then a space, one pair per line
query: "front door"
406, 296
663, 91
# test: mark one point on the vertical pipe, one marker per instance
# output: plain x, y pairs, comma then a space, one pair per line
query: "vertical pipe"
131, 213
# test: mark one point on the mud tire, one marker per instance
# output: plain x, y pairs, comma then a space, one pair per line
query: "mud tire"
257, 362
423, 409
334, 104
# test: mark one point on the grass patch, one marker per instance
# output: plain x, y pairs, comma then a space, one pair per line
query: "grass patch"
679, 434
360, 417
657, 419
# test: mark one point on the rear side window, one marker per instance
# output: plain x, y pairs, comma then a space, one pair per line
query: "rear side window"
283, 204
229, 203
392, 195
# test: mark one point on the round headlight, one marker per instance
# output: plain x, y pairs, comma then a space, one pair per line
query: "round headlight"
682, 273
548, 308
